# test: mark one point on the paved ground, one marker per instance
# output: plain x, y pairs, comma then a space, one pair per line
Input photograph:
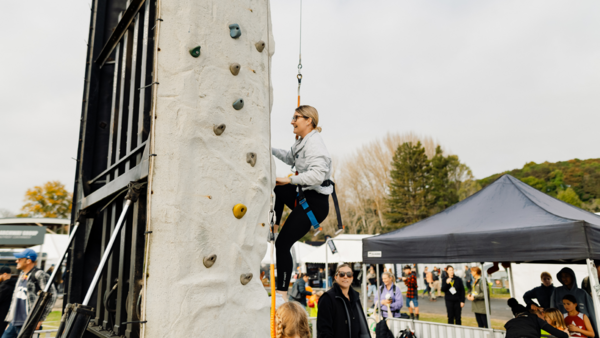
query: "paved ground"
498, 307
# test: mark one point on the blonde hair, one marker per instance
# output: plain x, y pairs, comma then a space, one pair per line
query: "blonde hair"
390, 275
291, 320
556, 317
310, 112
545, 274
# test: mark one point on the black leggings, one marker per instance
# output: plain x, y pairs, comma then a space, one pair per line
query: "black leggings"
454, 311
296, 226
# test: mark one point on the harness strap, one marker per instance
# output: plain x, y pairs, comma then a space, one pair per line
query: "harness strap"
336, 205
301, 199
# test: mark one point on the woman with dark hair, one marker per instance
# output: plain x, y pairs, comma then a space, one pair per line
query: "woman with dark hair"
340, 312
527, 324
454, 294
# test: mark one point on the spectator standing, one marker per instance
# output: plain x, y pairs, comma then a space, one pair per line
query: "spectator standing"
372, 280
468, 278
444, 274
390, 296
291, 321
454, 294
427, 286
541, 293
340, 312
321, 277
7, 287
528, 325
567, 278
477, 297
412, 294
299, 291
31, 280
579, 324
437, 284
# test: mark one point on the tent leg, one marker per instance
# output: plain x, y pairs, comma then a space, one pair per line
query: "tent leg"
364, 287
377, 292
511, 284
485, 297
593, 278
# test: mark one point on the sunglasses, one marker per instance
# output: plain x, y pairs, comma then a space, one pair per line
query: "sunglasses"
296, 117
349, 274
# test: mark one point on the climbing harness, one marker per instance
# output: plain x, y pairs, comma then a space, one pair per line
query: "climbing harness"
301, 199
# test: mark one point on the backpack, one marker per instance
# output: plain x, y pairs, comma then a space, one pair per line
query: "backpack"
382, 330
406, 333
295, 293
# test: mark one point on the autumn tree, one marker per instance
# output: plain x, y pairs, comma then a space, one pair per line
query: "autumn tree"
50, 200
569, 196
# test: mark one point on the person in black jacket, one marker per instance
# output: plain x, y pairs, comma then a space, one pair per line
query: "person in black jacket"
542, 293
301, 283
528, 325
454, 294
7, 286
340, 312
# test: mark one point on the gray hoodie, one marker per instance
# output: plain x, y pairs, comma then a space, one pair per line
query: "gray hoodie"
585, 304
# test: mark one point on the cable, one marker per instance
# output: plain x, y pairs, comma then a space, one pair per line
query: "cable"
299, 76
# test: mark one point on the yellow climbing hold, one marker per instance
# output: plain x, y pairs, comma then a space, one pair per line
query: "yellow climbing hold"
239, 210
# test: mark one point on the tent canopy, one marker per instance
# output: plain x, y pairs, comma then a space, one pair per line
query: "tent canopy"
349, 250
508, 221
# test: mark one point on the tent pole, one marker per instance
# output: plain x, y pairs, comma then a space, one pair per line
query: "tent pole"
364, 287
511, 284
593, 274
485, 297
377, 292
326, 266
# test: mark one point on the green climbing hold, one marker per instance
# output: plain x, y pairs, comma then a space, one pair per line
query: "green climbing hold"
235, 31
195, 52
238, 104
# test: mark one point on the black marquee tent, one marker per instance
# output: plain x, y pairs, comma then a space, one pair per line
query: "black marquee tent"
508, 221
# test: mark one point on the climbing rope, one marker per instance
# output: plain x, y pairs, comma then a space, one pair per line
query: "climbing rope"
271, 211
299, 76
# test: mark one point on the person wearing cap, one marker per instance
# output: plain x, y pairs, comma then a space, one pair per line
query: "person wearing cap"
7, 287
31, 280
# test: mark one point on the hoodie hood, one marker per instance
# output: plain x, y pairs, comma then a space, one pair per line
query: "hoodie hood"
573, 278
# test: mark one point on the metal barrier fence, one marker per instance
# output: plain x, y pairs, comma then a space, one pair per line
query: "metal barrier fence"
424, 329
44, 333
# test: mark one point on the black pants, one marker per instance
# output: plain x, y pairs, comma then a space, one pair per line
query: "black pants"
296, 226
454, 310
481, 319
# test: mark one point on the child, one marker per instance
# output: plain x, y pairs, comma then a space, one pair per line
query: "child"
313, 304
291, 321
578, 323
556, 319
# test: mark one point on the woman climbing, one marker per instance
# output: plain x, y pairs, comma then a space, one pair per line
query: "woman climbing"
306, 194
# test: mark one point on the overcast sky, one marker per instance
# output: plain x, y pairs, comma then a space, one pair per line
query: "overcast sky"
499, 83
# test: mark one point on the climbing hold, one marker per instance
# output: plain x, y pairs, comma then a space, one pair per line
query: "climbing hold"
260, 46
235, 31
239, 210
195, 52
238, 104
251, 158
245, 278
209, 260
219, 129
235, 68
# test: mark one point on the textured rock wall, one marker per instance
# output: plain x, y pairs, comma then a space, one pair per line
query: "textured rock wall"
198, 176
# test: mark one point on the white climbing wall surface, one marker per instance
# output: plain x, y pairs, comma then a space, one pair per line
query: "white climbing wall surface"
204, 167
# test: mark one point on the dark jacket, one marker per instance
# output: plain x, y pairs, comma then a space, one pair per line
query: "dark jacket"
339, 317
541, 293
301, 285
585, 304
6, 291
527, 325
459, 296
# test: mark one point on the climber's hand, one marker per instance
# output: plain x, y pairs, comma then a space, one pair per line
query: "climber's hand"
282, 181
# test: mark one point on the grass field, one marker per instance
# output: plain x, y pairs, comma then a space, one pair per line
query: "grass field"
466, 321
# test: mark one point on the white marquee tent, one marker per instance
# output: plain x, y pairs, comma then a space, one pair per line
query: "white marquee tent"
349, 250
299, 250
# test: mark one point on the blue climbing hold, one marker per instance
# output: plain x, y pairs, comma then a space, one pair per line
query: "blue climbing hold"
238, 104
235, 31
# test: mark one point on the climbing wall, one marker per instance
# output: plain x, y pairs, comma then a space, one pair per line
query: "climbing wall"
210, 181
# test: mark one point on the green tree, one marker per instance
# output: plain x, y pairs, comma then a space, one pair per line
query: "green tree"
409, 199
443, 189
569, 196
50, 200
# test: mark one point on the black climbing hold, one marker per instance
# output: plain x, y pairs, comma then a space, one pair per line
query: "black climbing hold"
260, 46
235, 68
235, 31
251, 158
219, 129
195, 52
210, 261
238, 104
245, 278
